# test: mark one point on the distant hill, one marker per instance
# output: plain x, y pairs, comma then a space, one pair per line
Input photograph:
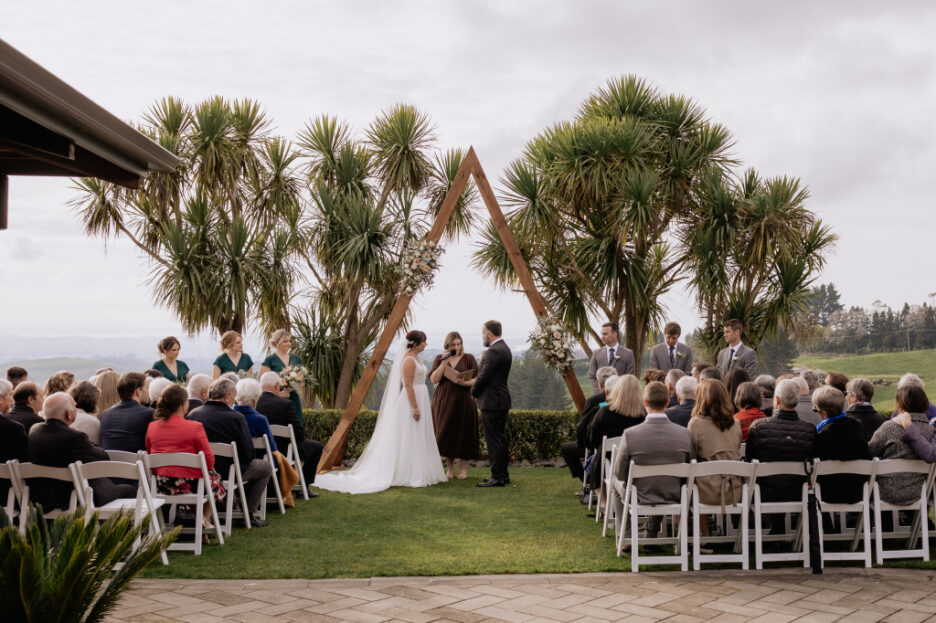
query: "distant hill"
888, 367
41, 369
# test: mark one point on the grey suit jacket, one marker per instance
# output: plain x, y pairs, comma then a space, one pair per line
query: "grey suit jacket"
623, 363
745, 358
655, 442
659, 357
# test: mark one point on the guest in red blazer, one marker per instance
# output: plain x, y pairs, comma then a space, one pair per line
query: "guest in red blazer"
171, 432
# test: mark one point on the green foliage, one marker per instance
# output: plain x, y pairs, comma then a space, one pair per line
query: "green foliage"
777, 355
533, 386
63, 571
532, 435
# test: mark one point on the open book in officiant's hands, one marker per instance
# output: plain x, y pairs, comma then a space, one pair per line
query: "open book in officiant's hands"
451, 374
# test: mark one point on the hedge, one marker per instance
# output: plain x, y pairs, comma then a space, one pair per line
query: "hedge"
532, 435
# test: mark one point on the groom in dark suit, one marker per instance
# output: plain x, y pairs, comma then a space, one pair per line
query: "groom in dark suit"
490, 388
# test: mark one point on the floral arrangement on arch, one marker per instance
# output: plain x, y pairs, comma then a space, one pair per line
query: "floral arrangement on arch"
295, 378
554, 343
420, 263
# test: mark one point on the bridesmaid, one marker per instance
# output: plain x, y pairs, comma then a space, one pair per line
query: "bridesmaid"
233, 358
454, 411
281, 342
169, 364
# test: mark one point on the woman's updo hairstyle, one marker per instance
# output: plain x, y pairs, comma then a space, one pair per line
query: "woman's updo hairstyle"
277, 337
228, 339
414, 339
166, 344
171, 400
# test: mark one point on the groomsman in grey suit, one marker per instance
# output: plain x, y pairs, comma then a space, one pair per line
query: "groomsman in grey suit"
737, 354
610, 354
671, 353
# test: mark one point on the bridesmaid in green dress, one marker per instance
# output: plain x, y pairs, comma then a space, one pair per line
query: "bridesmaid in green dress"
281, 342
233, 358
169, 364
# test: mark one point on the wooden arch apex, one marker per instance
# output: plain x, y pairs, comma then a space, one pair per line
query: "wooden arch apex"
470, 165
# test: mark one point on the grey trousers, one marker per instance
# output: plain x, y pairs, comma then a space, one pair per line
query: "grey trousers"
256, 476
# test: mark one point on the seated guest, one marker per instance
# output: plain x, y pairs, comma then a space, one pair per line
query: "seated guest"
624, 409
86, 395
16, 375
247, 394
858, 394
837, 380
748, 401
653, 375
156, 388
888, 443
781, 437
840, 438
12, 433
58, 382
198, 390
710, 373
697, 368
686, 394
171, 432
572, 451
225, 425
733, 380
913, 379
107, 382
766, 383
812, 380
804, 408
655, 441
27, 403
715, 436
672, 377
151, 375
281, 411
55, 444
123, 426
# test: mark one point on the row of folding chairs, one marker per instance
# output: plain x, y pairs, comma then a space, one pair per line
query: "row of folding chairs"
676, 517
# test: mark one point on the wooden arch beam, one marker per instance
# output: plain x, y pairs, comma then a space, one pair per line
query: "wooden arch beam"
470, 165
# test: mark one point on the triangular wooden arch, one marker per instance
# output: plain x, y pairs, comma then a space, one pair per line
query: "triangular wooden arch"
334, 449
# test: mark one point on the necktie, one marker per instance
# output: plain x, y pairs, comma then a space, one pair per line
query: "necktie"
672, 357
731, 359
610, 355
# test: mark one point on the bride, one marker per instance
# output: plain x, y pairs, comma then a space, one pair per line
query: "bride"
402, 451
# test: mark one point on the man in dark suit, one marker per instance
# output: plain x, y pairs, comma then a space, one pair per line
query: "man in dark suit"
12, 435
612, 353
123, 426
281, 412
685, 393
198, 390
671, 354
574, 451
736, 354
858, 395
490, 389
55, 444
27, 403
223, 425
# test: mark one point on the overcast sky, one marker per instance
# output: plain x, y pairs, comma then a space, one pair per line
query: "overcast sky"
839, 94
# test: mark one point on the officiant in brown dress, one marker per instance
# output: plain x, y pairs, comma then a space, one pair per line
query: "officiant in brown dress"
454, 411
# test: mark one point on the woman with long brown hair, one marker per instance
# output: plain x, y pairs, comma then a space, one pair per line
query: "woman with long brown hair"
454, 410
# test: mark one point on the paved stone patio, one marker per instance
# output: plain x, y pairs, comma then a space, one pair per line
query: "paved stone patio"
844, 594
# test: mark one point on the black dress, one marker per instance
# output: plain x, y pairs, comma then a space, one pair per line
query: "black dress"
455, 413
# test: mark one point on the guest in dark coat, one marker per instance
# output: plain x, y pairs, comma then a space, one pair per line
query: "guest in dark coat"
280, 411
12, 435
625, 408
27, 403
686, 394
840, 438
123, 426
574, 451
54, 444
198, 390
858, 395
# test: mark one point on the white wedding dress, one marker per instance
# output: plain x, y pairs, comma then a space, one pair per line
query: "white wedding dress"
402, 451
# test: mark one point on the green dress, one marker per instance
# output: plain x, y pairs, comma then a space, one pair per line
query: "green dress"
225, 364
274, 363
181, 368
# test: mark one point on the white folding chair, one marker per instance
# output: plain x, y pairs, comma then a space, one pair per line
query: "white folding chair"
292, 454
24, 472
721, 468
14, 499
262, 443
609, 493
142, 505
862, 530
233, 484
124, 456
902, 466
799, 536
636, 509
604, 472
198, 499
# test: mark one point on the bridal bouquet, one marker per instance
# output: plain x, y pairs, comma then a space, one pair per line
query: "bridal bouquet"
295, 377
419, 266
554, 343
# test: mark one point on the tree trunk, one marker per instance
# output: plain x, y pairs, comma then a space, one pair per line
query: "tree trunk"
346, 378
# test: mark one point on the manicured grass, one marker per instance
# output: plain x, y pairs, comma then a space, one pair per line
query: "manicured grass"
534, 525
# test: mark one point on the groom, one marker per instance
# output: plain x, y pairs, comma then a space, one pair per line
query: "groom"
490, 388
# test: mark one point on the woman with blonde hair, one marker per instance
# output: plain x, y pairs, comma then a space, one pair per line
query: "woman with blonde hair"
107, 383
279, 360
454, 410
232, 358
625, 408
59, 382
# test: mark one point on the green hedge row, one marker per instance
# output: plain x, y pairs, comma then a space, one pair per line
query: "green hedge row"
532, 435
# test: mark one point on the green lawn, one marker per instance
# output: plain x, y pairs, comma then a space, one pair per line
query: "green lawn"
885, 366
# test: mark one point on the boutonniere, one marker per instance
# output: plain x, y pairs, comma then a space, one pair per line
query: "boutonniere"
617, 358
680, 355
735, 358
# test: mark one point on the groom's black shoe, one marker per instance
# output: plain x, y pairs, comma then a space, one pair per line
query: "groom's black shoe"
492, 482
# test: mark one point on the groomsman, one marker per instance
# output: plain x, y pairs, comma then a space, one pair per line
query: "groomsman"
611, 354
737, 354
671, 353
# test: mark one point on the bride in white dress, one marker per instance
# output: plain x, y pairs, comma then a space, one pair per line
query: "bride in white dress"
402, 451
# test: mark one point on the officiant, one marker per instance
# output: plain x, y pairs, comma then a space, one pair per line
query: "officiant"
454, 411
